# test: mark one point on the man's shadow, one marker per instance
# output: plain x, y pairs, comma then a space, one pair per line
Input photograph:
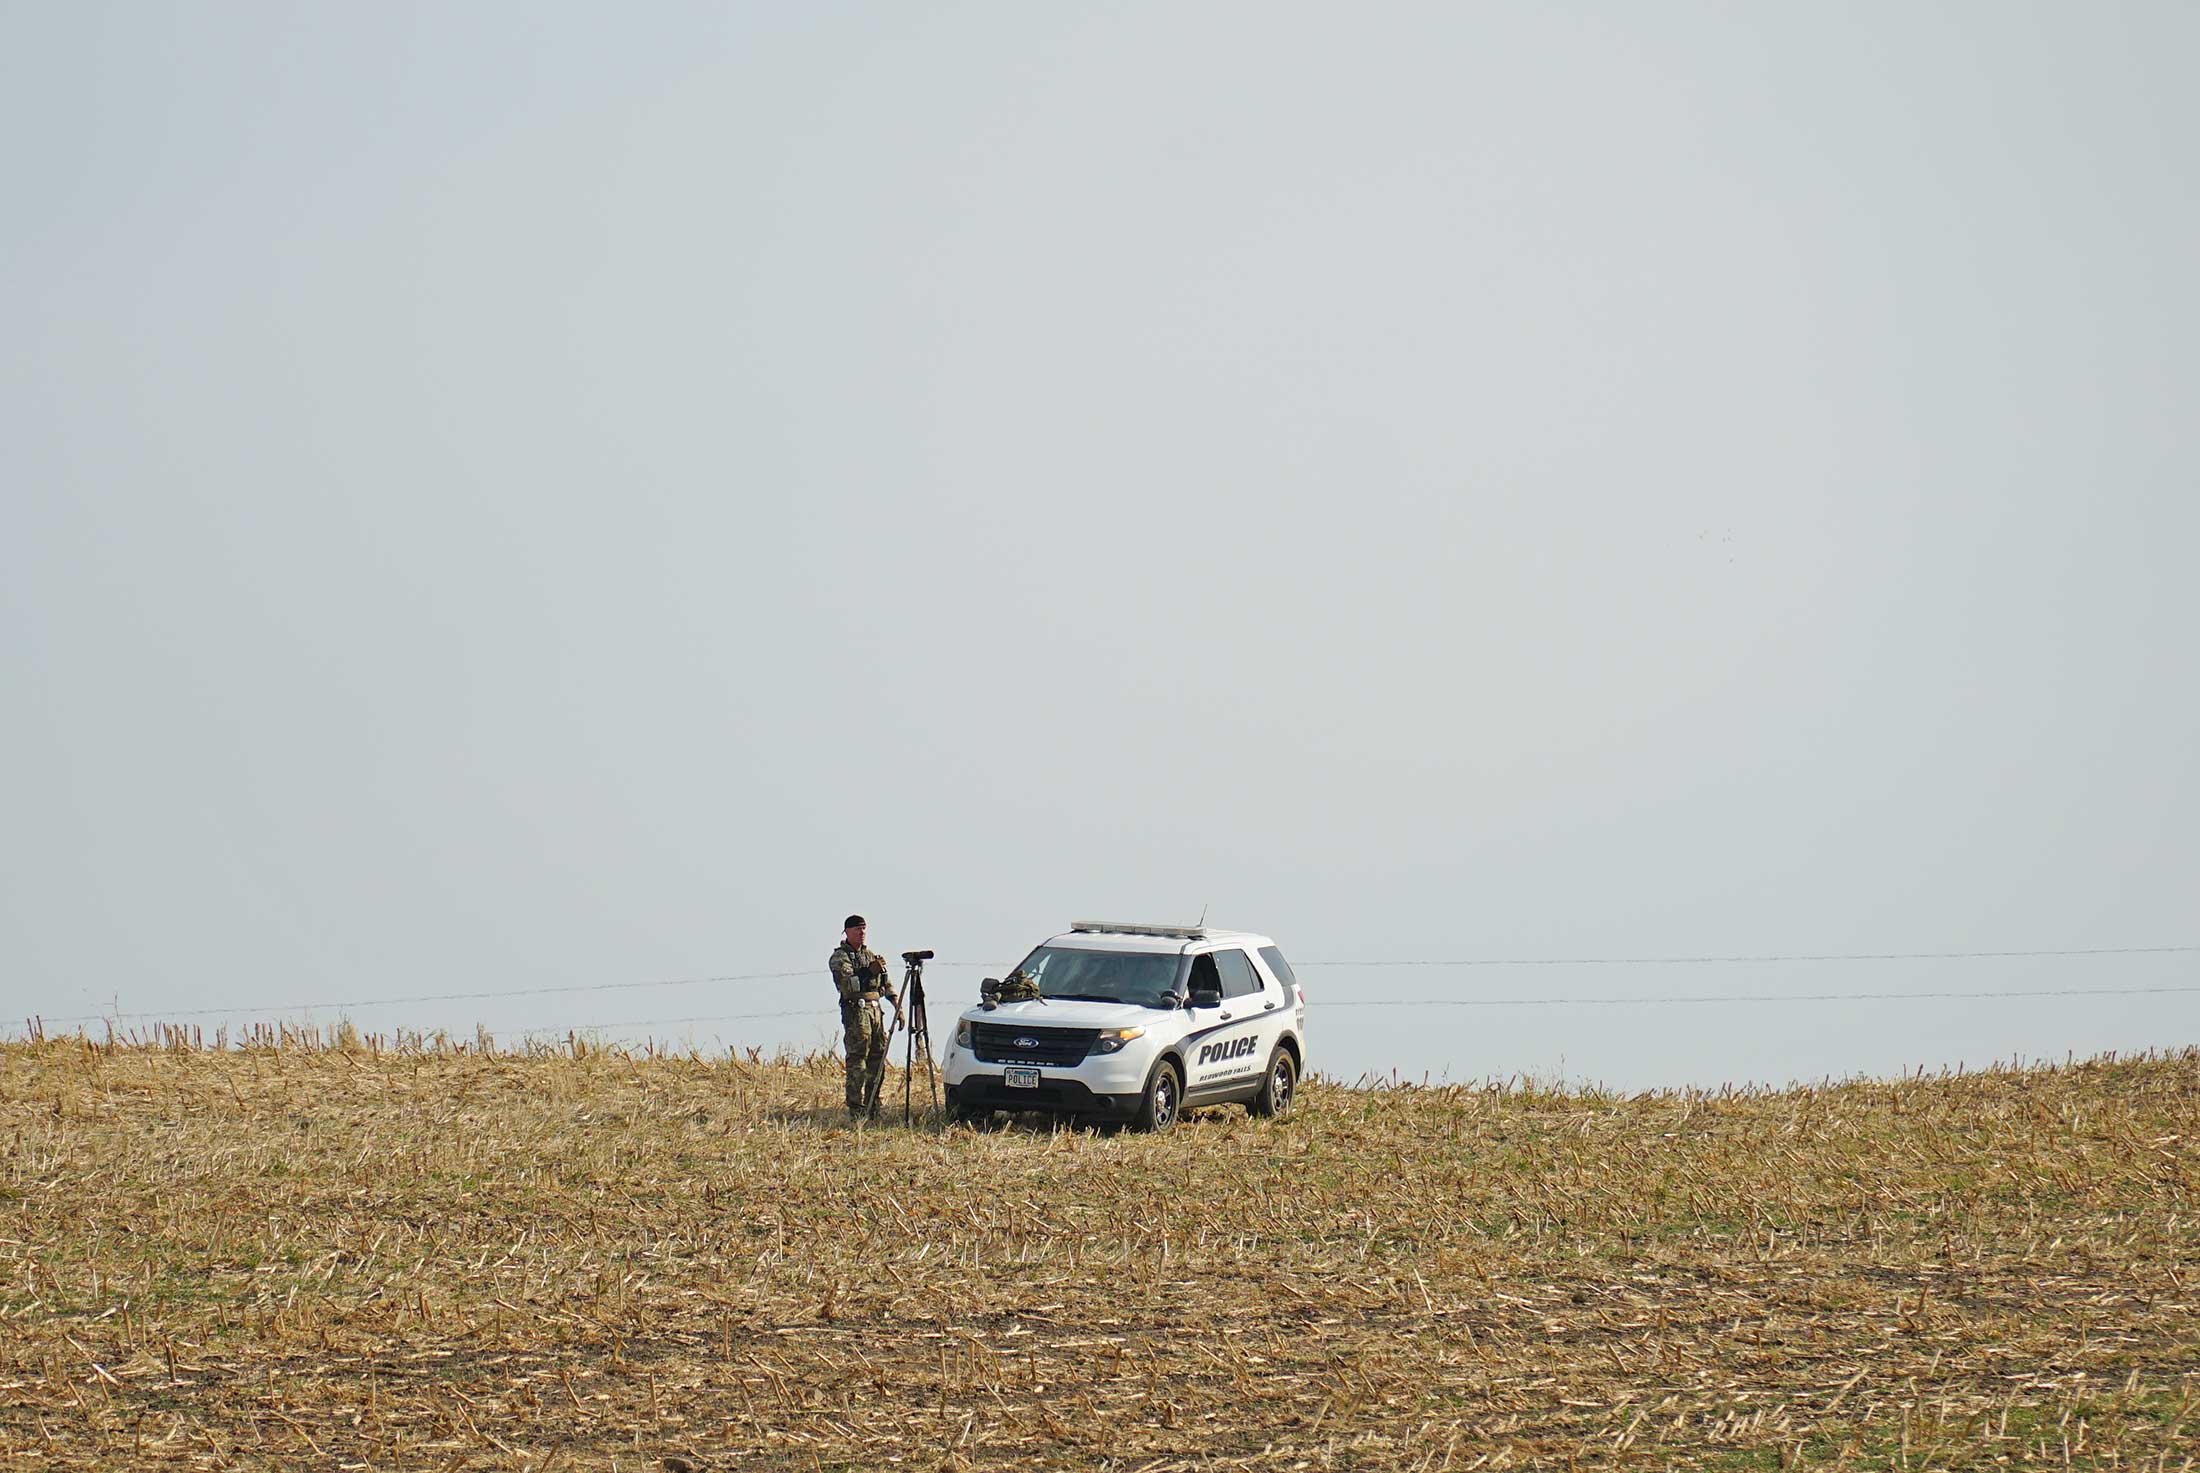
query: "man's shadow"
835, 1117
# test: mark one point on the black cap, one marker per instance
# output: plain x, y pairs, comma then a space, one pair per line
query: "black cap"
851, 923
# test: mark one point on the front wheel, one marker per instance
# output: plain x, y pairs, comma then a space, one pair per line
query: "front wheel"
1164, 1097
960, 1114
1277, 1090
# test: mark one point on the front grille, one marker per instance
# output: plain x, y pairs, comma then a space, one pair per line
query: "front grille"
996, 1043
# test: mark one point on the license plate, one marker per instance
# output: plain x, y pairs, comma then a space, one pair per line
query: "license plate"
1016, 1078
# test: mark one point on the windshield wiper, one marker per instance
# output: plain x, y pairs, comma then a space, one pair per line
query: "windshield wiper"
1081, 997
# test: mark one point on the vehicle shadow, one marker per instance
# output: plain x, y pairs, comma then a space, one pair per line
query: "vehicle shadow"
1041, 1122
935, 1122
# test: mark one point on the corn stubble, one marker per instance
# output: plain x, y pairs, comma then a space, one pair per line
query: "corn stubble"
332, 1252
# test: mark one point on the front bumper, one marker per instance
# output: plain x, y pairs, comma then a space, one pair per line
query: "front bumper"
1053, 1093
1110, 1085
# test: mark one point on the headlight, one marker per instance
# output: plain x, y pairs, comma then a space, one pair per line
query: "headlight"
1111, 1040
962, 1033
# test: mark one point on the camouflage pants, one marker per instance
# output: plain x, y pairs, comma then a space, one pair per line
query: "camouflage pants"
865, 1034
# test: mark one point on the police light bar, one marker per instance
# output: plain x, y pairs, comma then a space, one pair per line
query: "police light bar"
1126, 928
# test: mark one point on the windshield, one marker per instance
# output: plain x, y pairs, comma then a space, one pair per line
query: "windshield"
1103, 976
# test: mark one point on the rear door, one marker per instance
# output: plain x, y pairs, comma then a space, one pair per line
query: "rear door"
1292, 1000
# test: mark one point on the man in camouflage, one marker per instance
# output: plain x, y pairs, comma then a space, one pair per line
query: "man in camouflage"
859, 976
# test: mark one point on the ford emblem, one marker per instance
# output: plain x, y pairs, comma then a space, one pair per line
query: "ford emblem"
1027, 1043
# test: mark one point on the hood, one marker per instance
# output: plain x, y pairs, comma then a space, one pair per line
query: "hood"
1050, 1013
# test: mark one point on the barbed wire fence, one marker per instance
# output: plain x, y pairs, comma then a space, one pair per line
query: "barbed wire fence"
115, 1018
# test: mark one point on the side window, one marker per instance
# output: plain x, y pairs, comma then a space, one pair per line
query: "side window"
1203, 978
1282, 970
1238, 977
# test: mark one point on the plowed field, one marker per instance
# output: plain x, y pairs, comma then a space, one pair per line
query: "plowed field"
320, 1257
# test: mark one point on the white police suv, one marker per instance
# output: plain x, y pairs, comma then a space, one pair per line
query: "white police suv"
1136, 1023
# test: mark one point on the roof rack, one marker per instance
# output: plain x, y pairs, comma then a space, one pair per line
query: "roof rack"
1128, 928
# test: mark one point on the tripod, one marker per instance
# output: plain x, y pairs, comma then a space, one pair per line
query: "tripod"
919, 1043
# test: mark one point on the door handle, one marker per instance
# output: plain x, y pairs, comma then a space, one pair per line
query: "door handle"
1267, 1007
1225, 1017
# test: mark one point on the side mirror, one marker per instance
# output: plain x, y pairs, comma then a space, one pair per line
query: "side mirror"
1204, 998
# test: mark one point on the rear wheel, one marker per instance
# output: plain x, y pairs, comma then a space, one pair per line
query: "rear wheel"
1164, 1098
1277, 1090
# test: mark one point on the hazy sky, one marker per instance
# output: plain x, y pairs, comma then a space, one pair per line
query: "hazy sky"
512, 496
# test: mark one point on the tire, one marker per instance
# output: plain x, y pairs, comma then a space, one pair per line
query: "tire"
1279, 1088
959, 1114
1163, 1101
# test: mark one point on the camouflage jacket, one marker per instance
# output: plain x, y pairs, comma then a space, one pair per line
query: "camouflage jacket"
859, 974
1016, 987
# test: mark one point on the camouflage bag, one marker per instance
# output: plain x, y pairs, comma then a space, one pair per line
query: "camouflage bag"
1016, 987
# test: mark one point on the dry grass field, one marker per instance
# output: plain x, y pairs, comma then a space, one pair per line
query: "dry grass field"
437, 1258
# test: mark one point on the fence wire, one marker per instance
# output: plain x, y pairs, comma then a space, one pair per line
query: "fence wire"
270, 1010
